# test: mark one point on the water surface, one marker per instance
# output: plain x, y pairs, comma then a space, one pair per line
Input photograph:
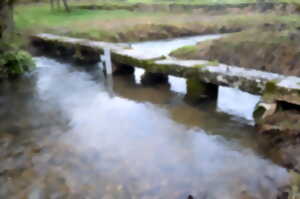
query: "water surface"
164, 47
68, 133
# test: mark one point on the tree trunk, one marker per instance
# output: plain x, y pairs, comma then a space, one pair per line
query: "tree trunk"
52, 4
66, 5
6, 20
58, 4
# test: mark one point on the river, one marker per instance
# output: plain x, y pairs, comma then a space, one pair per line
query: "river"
66, 132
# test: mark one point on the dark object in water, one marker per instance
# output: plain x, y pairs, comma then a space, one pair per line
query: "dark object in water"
190, 197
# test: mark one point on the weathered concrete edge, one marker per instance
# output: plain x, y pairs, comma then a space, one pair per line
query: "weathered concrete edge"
251, 81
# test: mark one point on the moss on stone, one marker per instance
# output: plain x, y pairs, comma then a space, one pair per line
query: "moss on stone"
258, 113
197, 90
194, 87
271, 86
200, 66
271, 90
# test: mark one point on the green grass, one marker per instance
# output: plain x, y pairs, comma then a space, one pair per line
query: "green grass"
92, 24
40, 15
125, 25
184, 51
29, 16
198, 2
246, 39
107, 24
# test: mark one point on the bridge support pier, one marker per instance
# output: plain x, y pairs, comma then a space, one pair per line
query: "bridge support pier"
154, 78
122, 69
198, 90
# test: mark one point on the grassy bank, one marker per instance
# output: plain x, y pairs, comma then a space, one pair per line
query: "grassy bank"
125, 25
193, 2
274, 49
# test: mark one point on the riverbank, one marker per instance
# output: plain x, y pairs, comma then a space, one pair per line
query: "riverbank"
272, 48
212, 7
129, 26
123, 25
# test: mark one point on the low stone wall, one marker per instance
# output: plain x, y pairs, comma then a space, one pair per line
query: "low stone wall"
288, 8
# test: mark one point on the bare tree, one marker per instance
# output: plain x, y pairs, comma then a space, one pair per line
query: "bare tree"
6, 19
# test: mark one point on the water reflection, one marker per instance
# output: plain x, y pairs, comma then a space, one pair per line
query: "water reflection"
72, 140
231, 101
236, 102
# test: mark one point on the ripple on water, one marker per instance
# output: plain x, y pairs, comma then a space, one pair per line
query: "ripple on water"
98, 146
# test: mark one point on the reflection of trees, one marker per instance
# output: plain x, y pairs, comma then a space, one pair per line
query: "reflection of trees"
16, 96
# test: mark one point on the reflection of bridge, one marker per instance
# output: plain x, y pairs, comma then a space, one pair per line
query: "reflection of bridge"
203, 77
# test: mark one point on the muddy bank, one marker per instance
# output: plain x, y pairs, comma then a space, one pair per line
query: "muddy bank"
160, 31
267, 50
282, 131
148, 32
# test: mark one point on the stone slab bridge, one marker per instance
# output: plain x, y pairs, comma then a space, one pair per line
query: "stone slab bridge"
203, 77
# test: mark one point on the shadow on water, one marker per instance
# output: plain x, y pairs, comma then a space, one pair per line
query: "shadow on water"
65, 133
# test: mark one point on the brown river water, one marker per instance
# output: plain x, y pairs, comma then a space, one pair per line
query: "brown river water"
68, 133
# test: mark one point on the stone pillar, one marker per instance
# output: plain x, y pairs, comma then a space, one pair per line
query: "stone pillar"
122, 69
197, 90
154, 78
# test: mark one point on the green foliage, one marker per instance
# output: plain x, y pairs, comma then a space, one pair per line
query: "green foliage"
15, 63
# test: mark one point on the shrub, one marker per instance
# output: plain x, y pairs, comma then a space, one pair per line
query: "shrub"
14, 63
